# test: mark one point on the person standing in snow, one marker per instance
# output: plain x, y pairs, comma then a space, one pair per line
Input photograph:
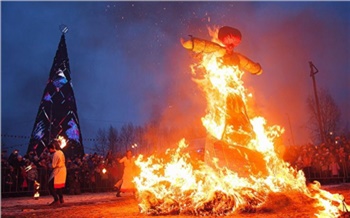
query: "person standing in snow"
126, 183
57, 180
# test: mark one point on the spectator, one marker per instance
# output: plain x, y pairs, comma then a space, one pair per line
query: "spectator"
74, 181
334, 168
10, 180
13, 158
126, 184
109, 158
342, 161
306, 160
43, 174
32, 175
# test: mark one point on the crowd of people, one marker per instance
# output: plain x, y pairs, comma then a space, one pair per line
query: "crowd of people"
328, 162
91, 173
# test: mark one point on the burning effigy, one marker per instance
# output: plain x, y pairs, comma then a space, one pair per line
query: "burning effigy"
241, 171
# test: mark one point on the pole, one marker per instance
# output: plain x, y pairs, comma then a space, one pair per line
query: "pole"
313, 71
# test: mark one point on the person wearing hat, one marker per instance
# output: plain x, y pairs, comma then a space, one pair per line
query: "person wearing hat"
57, 179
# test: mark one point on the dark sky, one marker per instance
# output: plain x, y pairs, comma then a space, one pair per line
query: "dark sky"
128, 65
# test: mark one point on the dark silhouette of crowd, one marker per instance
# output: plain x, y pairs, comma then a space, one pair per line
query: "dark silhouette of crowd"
90, 173
328, 163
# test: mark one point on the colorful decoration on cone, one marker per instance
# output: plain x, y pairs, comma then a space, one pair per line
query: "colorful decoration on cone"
57, 114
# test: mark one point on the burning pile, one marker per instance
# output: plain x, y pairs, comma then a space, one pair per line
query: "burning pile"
252, 171
182, 186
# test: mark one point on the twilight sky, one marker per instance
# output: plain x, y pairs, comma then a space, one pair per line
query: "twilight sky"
127, 63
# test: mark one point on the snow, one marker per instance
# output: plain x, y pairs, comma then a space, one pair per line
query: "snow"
106, 204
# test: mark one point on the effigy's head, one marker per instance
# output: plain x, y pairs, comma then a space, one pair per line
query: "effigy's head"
229, 36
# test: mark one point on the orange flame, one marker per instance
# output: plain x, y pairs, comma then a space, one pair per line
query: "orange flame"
177, 185
63, 141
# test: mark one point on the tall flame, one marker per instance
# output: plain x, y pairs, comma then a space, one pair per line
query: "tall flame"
175, 184
218, 83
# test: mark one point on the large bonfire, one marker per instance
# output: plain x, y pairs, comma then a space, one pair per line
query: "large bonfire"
176, 184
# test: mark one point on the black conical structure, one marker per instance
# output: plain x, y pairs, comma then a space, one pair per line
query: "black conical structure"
57, 114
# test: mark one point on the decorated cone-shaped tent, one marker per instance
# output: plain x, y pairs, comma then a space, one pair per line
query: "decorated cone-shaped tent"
57, 115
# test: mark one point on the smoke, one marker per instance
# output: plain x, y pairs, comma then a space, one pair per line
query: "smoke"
283, 38
284, 47
128, 65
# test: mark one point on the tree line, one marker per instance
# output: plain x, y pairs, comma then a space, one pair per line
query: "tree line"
147, 139
155, 137
330, 118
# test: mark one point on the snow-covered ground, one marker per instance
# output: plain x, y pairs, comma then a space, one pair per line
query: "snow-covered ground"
106, 204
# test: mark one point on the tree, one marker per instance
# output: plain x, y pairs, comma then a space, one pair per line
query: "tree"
113, 139
330, 115
140, 140
101, 146
127, 135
